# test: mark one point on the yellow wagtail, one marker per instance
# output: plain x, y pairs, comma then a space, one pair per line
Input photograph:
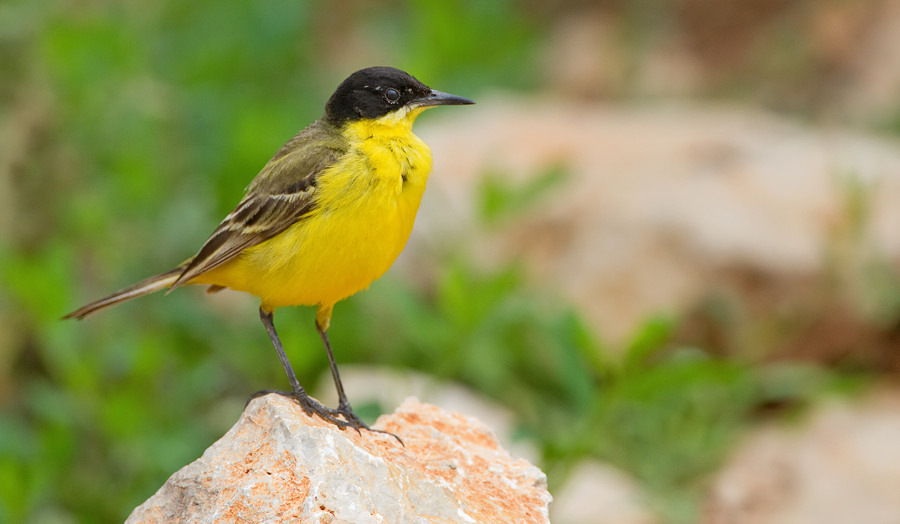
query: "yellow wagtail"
326, 216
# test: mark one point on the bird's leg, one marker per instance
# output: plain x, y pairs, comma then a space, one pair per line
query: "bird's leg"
344, 407
343, 403
308, 404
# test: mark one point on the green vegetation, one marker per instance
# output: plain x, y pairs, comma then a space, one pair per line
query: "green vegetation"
136, 126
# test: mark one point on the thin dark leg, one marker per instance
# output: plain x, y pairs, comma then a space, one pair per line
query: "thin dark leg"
344, 407
343, 403
308, 404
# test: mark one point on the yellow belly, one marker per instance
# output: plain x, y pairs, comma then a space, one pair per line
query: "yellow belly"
366, 207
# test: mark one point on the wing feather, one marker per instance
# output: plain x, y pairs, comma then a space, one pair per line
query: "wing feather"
281, 195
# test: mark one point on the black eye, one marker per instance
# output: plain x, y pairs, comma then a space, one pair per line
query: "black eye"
391, 95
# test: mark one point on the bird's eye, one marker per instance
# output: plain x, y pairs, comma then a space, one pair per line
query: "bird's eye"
391, 95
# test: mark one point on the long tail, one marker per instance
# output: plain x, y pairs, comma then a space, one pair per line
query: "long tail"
144, 287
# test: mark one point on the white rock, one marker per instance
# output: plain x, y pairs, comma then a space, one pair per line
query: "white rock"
279, 465
597, 493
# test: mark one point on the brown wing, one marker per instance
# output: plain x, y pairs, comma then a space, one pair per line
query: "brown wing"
281, 195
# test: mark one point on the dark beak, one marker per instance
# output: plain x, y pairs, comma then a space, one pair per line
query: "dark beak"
438, 98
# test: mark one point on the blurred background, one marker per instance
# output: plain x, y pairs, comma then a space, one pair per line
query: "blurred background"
660, 256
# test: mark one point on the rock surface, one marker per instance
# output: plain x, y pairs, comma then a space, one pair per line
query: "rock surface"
279, 465
840, 466
599, 493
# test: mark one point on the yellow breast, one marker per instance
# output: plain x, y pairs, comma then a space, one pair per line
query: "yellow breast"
366, 205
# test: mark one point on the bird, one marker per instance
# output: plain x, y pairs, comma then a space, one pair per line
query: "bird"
325, 217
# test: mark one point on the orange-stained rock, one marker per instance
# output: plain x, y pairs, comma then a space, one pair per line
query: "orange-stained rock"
279, 465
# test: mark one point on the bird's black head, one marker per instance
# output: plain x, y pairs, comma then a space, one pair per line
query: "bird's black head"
376, 91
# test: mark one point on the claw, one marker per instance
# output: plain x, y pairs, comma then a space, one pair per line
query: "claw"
356, 423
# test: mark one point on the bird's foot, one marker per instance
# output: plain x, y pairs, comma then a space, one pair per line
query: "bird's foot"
312, 406
356, 423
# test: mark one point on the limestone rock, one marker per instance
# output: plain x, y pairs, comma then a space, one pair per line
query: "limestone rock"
279, 465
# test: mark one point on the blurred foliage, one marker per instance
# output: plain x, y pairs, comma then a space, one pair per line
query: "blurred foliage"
132, 128
499, 200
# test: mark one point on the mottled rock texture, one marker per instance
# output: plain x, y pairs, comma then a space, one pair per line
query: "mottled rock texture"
279, 465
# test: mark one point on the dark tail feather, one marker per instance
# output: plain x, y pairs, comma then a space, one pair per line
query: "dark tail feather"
144, 287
